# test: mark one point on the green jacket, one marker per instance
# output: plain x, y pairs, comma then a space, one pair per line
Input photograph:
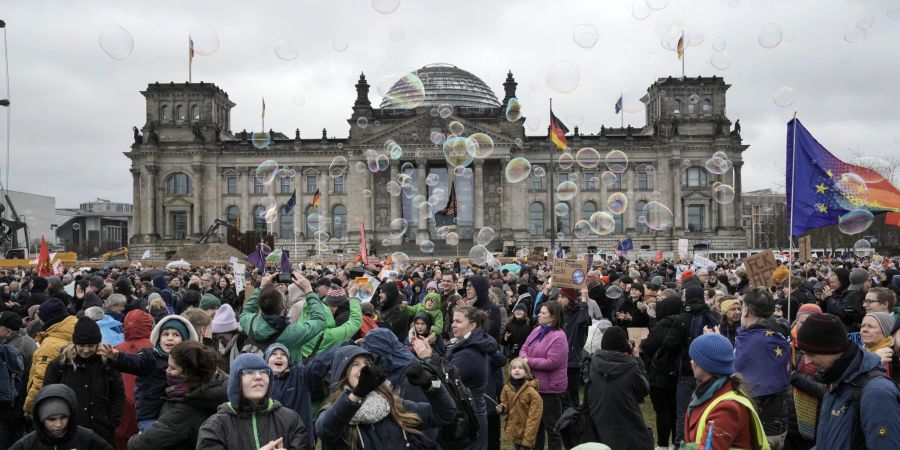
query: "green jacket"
297, 334
333, 335
434, 312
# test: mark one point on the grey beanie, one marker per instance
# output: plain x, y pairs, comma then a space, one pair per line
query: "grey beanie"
858, 277
53, 406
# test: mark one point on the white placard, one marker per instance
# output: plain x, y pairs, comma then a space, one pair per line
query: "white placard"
683, 247
239, 276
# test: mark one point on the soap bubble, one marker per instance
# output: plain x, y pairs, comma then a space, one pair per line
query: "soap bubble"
560, 235
717, 165
404, 91
362, 122
566, 160
564, 76
313, 220
445, 111
458, 151
382, 163
479, 255
360, 167
566, 190
513, 110
608, 178
260, 139
442, 231
338, 167
340, 43
427, 246
385, 6
613, 292
539, 172
770, 35
639, 10
616, 161
517, 169
720, 60
398, 227
483, 147
855, 221
631, 99
438, 138
862, 247
657, 4
456, 128
286, 50
385, 242
400, 259
77, 226
873, 169
267, 171
784, 96
393, 188
617, 203
854, 190
582, 229
658, 216
602, 223
366, 193
855, 35
561, 209
518, 142
585, 36
587, 158
452, 238
116, 42
432, 179
205, 39
485, 236
723, 194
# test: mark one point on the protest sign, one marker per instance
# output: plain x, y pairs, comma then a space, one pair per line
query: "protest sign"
366, 284
238, 276
805, 243
636, 335
701, 262
569, 273
683, 247
760, 268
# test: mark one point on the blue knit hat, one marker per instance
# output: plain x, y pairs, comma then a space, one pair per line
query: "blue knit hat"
713, 353
244, 361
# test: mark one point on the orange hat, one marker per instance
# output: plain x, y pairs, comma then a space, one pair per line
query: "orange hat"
781, 274
687, 275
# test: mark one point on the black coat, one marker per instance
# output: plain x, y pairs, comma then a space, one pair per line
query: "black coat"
484, 303
76, 436
392, 317
98, 390
576, 321
662, 363
518, 331
616, 387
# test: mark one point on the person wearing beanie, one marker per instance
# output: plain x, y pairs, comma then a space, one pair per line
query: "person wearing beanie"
517, 329
56, 423
850, 372
431, 304
719, 398
137, 324
226, 330
730, 308
56, 333
209, 303
150, 365
662, 369
843, 302
12, 418
251, 417
875, 332
617, 386
80, 367
780, 275
807, 391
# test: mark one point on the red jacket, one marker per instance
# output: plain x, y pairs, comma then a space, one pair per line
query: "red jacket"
138, 324
732, 423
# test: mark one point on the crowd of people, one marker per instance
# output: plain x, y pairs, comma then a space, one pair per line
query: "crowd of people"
453, 356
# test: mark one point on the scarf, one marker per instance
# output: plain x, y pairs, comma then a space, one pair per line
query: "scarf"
374, 408
177, 387
516, 383
544, 329
840, 366
887, 342
705, 391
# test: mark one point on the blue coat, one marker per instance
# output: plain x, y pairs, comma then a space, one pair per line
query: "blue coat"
293, 387
879, 408
471, 357
149, 365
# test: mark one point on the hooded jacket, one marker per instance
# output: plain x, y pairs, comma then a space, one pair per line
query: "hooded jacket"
438, 344
149, 365
20, 340
576, 321
524, 409
617, 385
517, 330
332, 335
686, 326
239, 425
662, 364
484, 303
180, 419
435, 311
392, 317
294, 335
76, 436
548, 359
333, 425
111, 330
51, 343
293, 387
138, 325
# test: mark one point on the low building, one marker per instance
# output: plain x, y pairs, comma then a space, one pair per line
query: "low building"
764, 217
94, 227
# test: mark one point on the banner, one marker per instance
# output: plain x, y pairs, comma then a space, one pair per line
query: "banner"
760, 268
683, 247
701, 262
238, 276
570, 273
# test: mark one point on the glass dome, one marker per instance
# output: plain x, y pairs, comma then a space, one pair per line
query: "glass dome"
446, 83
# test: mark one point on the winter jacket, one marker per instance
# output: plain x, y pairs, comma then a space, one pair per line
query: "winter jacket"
448, 302
548, 359
483, 302
732, 420
661, 362
392, 317
294, 335
471, 357
518, 330
688, 325
51, 343
762, 355
98, 389
293, 387
111, 330
230, 297
801, 296
617, 385
76, 437
848, 305
729, 330
434, 312
180, 419
27, 346
231, 428
576, 322
524, 409
879, 408
138, 325
332, 335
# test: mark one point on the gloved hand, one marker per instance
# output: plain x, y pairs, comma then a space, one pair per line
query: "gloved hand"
419, 376
370, 377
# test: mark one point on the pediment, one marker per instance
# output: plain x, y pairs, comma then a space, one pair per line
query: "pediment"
417, 130
698, 195
230, 172
177, 202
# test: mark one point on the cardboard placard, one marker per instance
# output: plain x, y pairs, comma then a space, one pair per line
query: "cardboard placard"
805, 243
683, 247
760, 268
636, 335
570, 273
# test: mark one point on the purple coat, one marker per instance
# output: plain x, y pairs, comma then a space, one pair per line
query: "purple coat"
548, 360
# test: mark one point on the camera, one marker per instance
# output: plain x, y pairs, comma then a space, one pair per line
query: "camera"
285, 278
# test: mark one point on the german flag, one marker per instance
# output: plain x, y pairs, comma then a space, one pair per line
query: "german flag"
316, 198
558, 132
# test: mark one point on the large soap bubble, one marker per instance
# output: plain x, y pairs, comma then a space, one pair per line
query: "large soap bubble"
517, 170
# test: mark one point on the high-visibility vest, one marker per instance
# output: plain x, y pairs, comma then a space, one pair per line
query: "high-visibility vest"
755, 424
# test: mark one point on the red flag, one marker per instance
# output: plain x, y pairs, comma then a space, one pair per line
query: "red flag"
659, 256
44, 268
362, 244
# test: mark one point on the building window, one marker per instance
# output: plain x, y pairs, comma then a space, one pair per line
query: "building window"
231, 185
178, 184
620, 225
312, 221
179, 112
339, 185
195, 112
638, 213
285, 223
643, 180
339, 221
285, 185
707, 106
588, 209
694, 177
537, 183
179, 224
676, 107
259, 219
536, 219
165, 112
617, 182
232, 215
563, 177
564, 222
695, 217
312, 183
591, 182
691, 108
258, 187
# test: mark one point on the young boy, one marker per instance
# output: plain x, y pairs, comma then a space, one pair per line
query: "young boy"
431, 305
56, 424
292, 385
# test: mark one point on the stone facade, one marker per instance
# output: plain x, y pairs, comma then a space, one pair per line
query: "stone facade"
190, 168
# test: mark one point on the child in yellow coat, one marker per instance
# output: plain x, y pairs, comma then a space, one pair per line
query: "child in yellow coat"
522, 404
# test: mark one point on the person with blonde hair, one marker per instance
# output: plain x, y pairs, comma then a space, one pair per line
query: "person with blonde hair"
522, 404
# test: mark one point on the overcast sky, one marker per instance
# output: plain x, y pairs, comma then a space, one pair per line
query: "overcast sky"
73, 106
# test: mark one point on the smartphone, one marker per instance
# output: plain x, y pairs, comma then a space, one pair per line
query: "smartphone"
285, 278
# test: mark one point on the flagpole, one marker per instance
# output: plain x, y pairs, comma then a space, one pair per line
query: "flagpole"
264, 115
791, 230
622, 108
190, 58
550, 171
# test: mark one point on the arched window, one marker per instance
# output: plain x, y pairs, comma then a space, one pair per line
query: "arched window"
564, 222
588, 209
259, 219
232, 214
694, 177
338, 221
195, 112
312, 221
179, 112
165, 113
536, 219
285, 223
638, 213
178, 184
676, 107
707, 106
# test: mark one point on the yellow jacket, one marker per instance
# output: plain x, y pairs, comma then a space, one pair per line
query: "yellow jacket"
51, 343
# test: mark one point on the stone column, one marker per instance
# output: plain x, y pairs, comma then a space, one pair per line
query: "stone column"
396, 206
136, 199
325, 200
271, 189
675, 164
737, 208
421, 220
629, 219
245, 183
604, 196
199, 187
478, 193
152, 173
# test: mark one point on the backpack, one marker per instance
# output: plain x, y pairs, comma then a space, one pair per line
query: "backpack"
251, 345
463, 430
12, 373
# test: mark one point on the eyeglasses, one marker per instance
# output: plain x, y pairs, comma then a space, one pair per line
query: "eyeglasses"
869, 302
255, 372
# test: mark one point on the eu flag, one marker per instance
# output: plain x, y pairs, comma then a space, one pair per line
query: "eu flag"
618, 106
291, 203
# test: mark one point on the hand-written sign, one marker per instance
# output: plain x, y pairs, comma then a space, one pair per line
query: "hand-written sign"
805, 243
760, 268
569, 273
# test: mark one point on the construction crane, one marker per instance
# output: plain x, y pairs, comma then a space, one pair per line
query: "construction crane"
212, 229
